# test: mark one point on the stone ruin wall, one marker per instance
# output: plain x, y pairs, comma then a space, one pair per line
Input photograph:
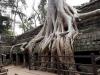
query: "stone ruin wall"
5, 46
5, 42
89, 40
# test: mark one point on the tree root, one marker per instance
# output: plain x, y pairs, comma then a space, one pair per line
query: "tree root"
54, 37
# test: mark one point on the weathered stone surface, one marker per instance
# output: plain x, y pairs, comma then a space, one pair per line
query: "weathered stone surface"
89, 40
87, 43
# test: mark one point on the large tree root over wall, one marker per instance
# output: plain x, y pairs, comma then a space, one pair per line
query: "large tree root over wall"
57, 34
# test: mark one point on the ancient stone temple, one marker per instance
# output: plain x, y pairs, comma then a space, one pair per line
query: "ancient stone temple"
86, 43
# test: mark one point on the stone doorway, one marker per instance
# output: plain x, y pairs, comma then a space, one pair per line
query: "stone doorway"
26, 58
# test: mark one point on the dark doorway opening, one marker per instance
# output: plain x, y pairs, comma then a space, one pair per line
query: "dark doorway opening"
20, 59
26, 56
14, 59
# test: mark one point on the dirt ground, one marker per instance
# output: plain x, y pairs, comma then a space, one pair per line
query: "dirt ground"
12, 70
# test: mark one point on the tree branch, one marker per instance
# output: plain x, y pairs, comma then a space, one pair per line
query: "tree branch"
89, 14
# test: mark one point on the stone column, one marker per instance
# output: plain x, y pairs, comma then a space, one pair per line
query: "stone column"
17, 59
24, 62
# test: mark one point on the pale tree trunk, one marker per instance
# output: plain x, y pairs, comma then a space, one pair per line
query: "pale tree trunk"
58, 33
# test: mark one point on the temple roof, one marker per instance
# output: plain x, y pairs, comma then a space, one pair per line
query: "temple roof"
27, 35
88, 4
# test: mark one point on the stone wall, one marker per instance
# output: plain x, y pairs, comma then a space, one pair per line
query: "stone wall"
5, 47
5, 44
89, 40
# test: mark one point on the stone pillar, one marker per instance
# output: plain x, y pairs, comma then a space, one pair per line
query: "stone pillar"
0, 37
16, 58
0, 59
3, 58
24, 62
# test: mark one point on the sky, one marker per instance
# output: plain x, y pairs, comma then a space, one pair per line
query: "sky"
28, 11
76, 2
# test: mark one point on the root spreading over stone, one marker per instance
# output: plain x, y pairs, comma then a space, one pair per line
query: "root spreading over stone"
58, 33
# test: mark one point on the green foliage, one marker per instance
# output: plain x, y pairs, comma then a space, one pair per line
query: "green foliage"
4, 25
15, 10
26, 25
